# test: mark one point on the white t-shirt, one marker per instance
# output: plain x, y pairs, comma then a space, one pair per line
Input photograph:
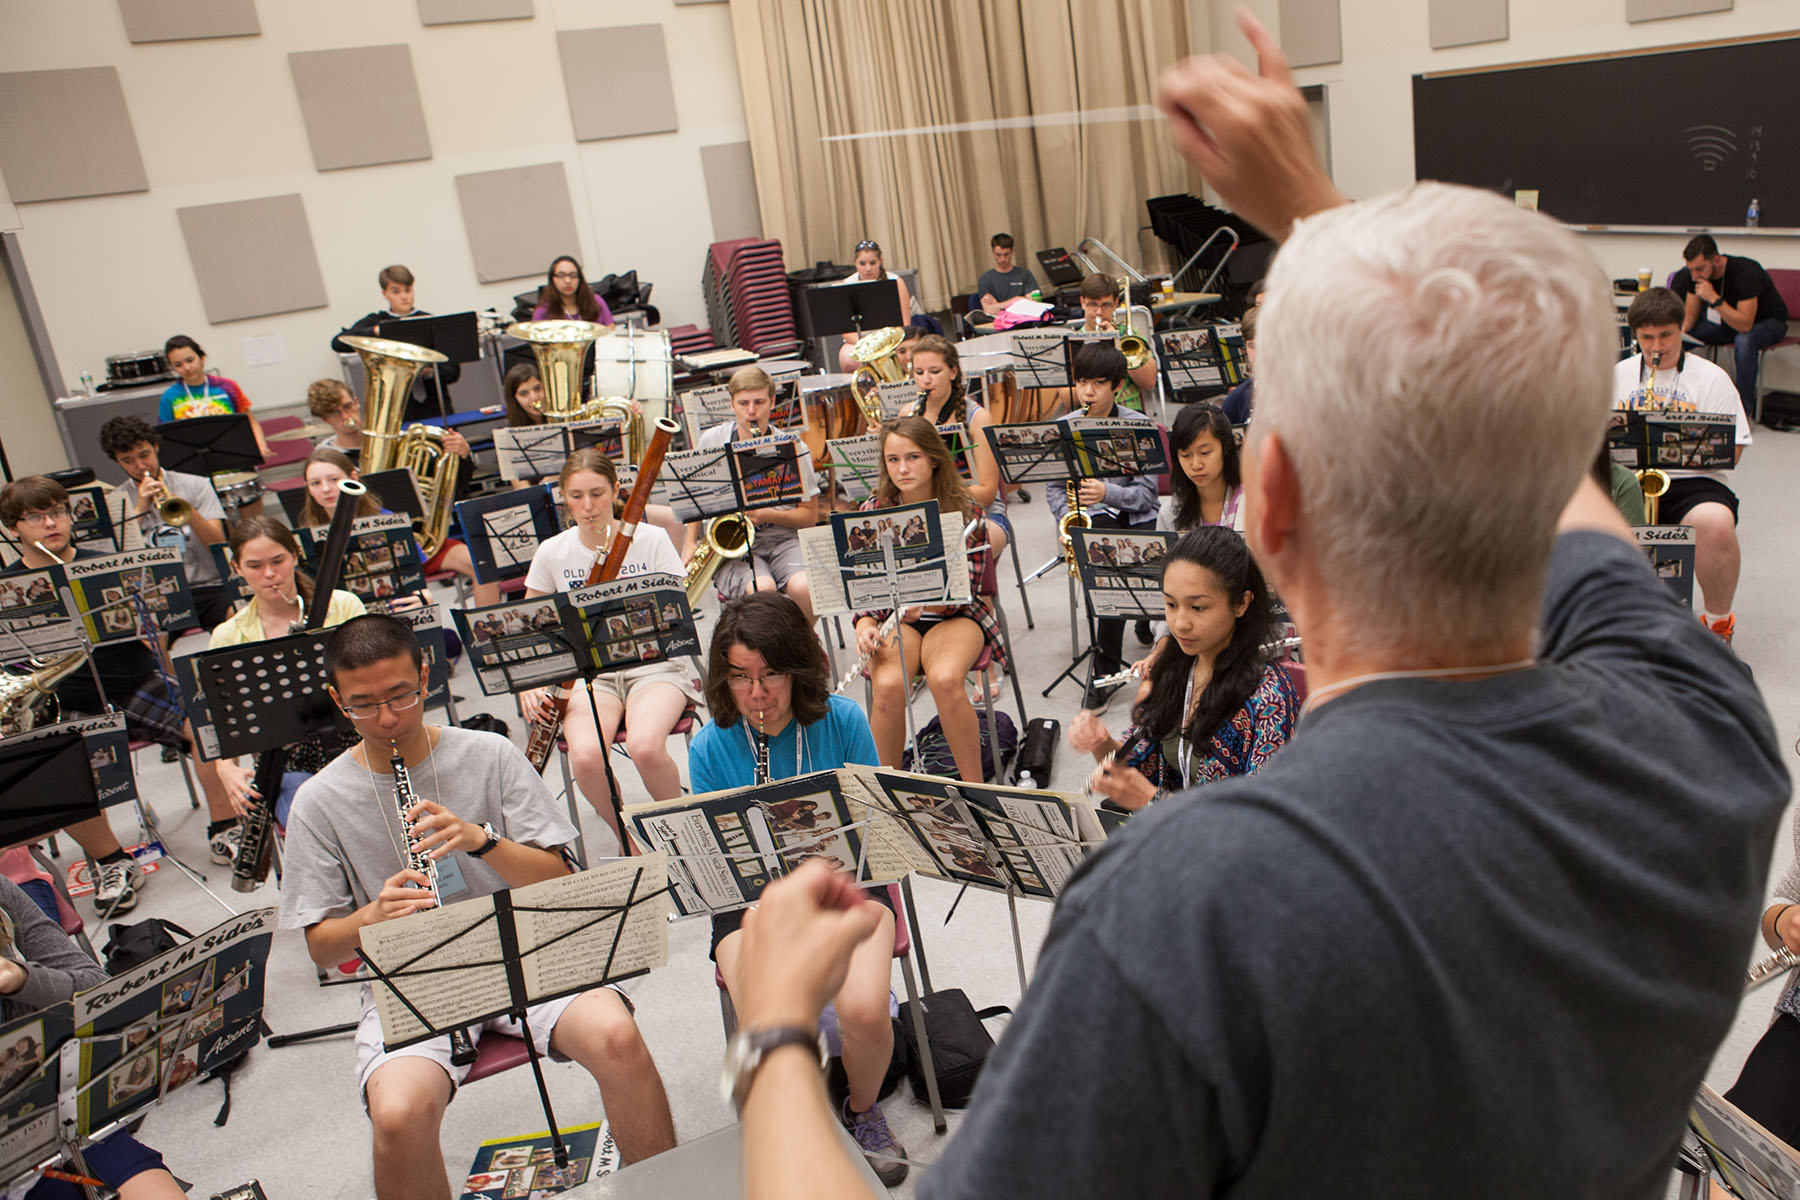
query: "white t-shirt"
196, 557
1700, 385
563, 563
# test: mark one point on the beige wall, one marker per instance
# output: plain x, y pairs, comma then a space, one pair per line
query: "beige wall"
217, 120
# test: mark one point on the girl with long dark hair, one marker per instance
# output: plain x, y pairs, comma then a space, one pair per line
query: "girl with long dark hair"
1208, 487
1213, 706
566, 296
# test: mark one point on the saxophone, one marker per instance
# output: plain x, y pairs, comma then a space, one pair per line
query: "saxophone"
1075, 518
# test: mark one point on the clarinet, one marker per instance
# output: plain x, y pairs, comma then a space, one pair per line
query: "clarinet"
462, 1046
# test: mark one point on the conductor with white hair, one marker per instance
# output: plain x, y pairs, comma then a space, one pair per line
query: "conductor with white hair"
1477, 929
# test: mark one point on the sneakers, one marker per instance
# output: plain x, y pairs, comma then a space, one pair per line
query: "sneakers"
117, 890
1723, 626
870, 1129
224, 844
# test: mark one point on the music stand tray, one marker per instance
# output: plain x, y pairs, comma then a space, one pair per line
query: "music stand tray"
854, 308
209, 445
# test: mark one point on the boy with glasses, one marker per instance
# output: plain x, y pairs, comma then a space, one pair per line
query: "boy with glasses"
490, 823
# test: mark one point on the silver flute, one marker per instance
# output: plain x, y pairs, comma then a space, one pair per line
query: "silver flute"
1769, 966
1131, 673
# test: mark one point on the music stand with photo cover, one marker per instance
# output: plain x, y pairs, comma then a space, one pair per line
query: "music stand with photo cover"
236, 587
1671, 550
854, 465
1121, 570
765, 472
33, 621
853, 309
108, 749
167, 1022
90, 519
31, 1133
1644, 439
427, 624
1033, 451
495, 956
629, 622
1742, 1156
381, 560
1039, 357
209, 446
854, 568
114, 594
517, 645
46, 783
504, 529
725, 847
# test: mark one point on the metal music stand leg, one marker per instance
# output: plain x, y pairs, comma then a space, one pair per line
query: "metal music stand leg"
1012, 548
1012, 911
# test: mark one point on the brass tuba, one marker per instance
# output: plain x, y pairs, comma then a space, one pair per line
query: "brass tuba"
561, 348
880, 363
391, 367
726, 538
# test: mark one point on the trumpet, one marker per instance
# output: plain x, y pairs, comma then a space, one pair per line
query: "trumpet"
170, 509
727, 538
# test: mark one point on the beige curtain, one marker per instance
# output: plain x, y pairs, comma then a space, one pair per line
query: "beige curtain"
853, 108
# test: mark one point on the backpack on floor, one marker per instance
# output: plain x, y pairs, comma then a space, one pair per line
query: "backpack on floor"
934, 757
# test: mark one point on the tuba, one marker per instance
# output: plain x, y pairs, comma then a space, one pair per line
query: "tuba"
391, 368
726, 538
877, 354
561, 348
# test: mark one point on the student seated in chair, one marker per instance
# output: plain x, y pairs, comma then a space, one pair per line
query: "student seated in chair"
490, 823
396, 283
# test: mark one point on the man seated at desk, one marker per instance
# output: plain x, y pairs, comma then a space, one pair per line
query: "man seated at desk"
1006, 282
397, 290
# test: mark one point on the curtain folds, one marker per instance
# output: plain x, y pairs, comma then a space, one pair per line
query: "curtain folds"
858, 115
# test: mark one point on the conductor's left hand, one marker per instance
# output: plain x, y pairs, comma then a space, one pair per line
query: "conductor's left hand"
797, 945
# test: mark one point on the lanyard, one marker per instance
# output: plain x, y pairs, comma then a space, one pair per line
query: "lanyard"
799, 747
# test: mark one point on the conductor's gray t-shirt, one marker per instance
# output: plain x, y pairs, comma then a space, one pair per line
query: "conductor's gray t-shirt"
344, 836
1472, 939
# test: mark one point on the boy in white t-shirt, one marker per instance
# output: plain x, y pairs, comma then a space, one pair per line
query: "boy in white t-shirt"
1665, 378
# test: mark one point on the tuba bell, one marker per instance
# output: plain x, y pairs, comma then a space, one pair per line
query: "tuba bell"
878, 363
391, 367
561, 348
726, 538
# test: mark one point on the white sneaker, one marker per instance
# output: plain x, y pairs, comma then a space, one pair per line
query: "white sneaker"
224, 845
117, 889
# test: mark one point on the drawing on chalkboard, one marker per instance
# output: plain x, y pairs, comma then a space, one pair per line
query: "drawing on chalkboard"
1711, 144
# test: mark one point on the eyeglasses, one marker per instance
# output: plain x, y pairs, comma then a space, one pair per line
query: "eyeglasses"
405, 702
567, 275
49, 516
743, 683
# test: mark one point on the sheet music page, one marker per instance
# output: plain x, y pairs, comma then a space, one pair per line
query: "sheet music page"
700, 483
891, 850
901, 393
855, 464
431, 940
818, 549
956, 560
568, 949
119, 503
1034, 831
530, 451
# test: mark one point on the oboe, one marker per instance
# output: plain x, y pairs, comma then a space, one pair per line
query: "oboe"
462, 1046
762, 751
1769, 966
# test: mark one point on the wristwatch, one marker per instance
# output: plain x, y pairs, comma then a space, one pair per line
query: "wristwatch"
493, 839
745, 1052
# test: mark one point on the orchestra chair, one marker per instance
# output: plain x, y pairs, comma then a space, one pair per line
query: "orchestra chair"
275, 426
903, 945
685, 725
24, 863
1787, 282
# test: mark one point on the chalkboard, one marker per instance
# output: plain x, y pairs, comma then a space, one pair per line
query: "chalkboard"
1680, 137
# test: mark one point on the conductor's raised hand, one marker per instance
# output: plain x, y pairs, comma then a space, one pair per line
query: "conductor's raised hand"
797, 944
404, 893
439, 832
1249, 134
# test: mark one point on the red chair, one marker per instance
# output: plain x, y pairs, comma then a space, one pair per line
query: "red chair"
903, 952
684, 728
276, 425
22, 863
1787, 282
1297, 677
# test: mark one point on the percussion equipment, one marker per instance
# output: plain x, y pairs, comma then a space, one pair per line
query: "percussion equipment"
391, 367
238, 489
634, 364
145, 364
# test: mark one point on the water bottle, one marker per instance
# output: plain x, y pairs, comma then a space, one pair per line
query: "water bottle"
86, 379
1753, 214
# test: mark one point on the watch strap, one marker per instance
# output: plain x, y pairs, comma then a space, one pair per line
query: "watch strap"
493, 839
754, 1047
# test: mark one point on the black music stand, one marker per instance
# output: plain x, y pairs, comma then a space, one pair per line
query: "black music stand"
397, 491
45, 785
454, 335
209, 446
504, 529
853, 308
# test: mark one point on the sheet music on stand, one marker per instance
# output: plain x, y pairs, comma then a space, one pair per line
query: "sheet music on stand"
91, 522
1038, 358
1671, 550
103, 589
527, 453
482, 958
629, 622
766, 472
1082, 448
1121, 570
846, 565
1644, 439
700, 483
33, 621
855, 464
517, 645
504, 529
895, 396
108, 750
704, 408
1744, 1156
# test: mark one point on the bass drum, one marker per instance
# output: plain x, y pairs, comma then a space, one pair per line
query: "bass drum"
636, 364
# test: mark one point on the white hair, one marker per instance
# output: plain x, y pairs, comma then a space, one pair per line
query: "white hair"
1438, 365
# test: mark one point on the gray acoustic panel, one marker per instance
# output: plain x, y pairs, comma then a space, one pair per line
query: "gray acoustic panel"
461, 12
186, 20
1657, 10
361, 106
48, 113
1467, 22
731, 191
618, 81
517, 219
1312, 32
252, 258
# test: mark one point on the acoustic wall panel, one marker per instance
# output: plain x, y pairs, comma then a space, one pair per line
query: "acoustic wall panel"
460, 12
731, 191
1467, 22
517, 219
1656, 10
361, 106
618, 81
49, 112
185, 20
253, 258
1311, 32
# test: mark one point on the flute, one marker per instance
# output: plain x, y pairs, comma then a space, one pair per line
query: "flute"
1132, 672
882, 633
1769, 966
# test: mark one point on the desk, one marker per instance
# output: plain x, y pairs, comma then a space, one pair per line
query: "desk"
1181, 302
710, 1166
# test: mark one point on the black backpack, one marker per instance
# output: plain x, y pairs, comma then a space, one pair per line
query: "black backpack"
934, 757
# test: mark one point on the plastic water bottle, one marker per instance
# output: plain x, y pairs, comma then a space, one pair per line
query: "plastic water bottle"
86, 380
1753, 214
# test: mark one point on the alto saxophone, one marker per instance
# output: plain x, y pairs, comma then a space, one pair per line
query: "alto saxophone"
1075, 518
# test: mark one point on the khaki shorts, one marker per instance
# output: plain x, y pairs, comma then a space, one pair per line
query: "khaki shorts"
371, 1051
622, 684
